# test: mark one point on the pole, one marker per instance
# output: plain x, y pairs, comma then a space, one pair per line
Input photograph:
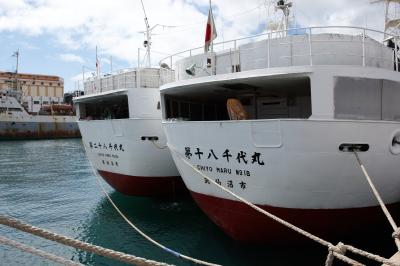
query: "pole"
16, 69
386, 18
138, 70
83, 76
212, 42
396, 60
148, 36
363, 48
97, 64
17, 54
310, 45
111, 65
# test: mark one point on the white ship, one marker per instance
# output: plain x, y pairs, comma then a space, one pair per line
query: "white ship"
304, 97
120, 119
120, 122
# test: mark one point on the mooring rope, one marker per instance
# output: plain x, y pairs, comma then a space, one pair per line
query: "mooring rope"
38, 252
333, 251
168, 250
130, 259
389, 217
158, 146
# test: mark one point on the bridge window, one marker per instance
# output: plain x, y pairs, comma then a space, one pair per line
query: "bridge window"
112, 107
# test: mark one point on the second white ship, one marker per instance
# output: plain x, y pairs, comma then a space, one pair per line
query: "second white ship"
120, 122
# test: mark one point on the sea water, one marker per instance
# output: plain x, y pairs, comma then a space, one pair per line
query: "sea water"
50, 184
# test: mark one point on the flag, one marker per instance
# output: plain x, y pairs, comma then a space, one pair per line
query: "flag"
211, 32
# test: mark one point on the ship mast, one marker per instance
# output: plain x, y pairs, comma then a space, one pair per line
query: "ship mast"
147, 41
285, 7
148, 33
16, 54
392, 22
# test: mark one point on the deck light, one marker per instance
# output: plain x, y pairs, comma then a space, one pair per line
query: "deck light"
191, 70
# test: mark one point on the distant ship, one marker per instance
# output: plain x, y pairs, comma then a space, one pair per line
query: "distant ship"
33, 107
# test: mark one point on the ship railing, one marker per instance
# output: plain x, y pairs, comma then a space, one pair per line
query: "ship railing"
324, 45
125, 79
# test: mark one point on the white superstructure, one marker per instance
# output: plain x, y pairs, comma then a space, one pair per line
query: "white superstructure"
307, 97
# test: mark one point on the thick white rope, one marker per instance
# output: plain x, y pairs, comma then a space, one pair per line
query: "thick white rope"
130, 259
170, 251
336, 251
38, 252
158, 146
380, 201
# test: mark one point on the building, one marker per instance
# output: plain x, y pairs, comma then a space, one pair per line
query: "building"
37, 90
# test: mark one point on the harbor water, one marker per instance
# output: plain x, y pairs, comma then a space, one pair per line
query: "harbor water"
50, 184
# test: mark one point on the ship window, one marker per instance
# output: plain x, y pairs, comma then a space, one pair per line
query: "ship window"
36, 102
262, 98
366, 99
112, 107
45, 102
14, 109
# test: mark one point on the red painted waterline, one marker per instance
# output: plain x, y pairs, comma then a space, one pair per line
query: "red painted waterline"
147, 186
245, 224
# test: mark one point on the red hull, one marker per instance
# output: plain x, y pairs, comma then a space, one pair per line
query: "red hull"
247, 225
144, 185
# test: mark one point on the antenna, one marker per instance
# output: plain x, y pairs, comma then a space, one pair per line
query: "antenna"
148, 33
16, 54
147, 42
285, 7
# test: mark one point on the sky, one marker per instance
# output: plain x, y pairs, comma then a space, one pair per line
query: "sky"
59, 37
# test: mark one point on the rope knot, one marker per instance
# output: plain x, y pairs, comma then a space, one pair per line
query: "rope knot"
340, 248
396, 233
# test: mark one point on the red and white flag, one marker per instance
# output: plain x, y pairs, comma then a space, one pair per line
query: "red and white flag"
211, 32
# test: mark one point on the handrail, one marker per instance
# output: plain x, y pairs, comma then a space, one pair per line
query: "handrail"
123, 79
270, 33
308, 36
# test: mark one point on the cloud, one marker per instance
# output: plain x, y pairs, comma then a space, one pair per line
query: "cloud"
71, 58
114, 26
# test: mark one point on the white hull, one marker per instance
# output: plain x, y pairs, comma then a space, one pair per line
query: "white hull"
303, 167
137, 157
129, 164
123, 136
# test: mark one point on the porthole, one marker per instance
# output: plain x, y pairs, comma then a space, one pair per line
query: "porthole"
395, 143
